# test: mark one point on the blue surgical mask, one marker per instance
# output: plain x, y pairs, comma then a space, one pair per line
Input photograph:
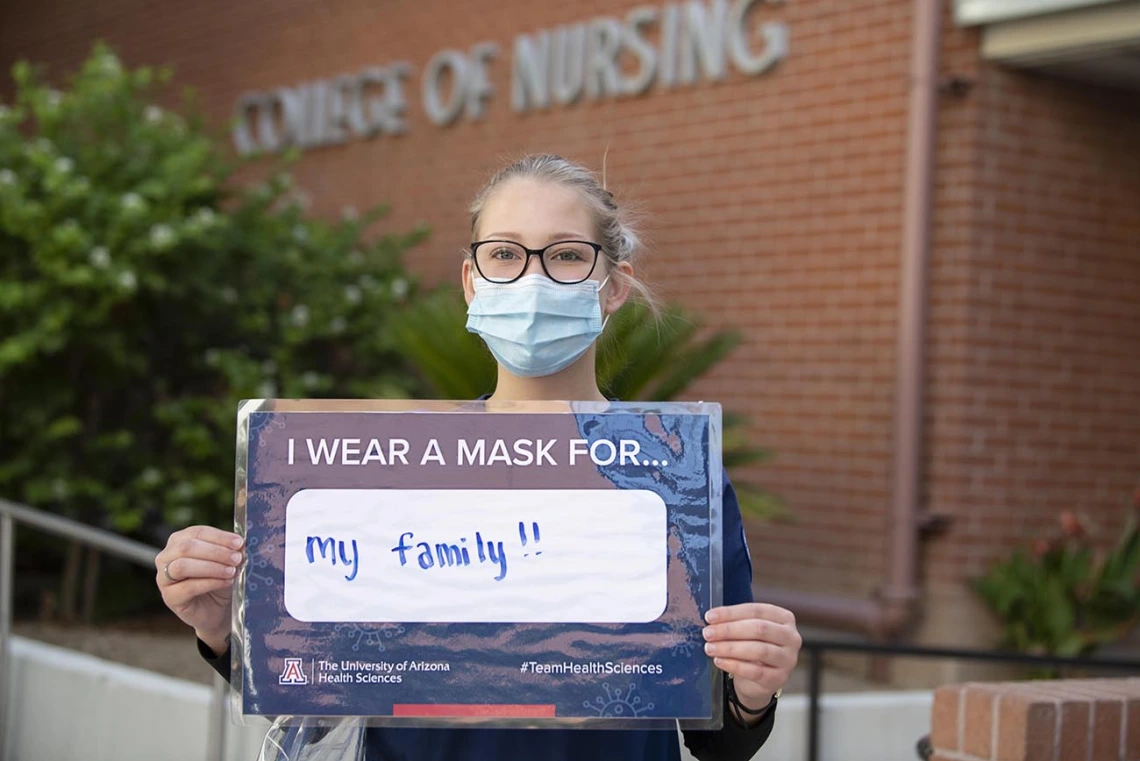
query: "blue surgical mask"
535, 326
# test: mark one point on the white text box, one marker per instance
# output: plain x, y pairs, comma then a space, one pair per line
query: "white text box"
464, 555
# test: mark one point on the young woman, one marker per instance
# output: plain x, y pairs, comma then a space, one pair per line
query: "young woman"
551, 258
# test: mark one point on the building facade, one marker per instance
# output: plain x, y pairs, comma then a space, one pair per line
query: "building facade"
774, 150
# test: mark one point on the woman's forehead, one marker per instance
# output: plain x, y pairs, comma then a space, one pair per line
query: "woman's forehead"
534, 209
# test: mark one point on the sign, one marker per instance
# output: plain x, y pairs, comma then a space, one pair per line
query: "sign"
675, 45
466, 563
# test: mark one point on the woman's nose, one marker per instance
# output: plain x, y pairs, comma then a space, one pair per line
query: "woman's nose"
534, 266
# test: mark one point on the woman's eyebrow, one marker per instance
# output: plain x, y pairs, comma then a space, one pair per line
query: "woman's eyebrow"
550, 239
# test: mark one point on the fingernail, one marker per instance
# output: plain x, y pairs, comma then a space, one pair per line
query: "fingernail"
710, 649
711, 616
707, 631
237, 541
235, 558
230, 570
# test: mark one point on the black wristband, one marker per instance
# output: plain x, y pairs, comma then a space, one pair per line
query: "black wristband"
734, 699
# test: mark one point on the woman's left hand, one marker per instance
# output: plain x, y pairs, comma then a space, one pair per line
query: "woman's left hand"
757, 644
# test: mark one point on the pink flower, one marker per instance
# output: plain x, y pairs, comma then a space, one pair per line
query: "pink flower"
1041, 548
1071, 524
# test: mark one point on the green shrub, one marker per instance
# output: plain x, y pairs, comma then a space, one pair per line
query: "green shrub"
143, 293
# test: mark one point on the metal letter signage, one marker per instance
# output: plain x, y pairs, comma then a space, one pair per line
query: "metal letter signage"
696, 41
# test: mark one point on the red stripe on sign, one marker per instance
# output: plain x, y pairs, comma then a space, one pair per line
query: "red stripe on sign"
502, 711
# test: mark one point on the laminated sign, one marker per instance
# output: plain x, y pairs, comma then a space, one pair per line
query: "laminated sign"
522, 564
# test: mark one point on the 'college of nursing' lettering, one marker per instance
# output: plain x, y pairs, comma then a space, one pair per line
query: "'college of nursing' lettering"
604, 57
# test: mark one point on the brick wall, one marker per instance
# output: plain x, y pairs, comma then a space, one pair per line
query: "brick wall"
773, 204
1072, 720
1035, 327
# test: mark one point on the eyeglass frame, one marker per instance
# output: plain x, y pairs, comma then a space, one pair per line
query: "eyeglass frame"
541, 260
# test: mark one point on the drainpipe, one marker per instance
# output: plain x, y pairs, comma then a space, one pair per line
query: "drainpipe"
890, 612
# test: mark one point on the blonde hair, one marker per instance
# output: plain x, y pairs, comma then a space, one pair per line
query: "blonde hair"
619, 239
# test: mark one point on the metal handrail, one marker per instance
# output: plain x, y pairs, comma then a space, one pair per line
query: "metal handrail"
815, 649
12, 513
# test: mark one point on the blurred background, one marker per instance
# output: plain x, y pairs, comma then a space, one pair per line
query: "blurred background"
898, 240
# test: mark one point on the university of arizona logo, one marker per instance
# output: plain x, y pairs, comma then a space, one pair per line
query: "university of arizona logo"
293, 673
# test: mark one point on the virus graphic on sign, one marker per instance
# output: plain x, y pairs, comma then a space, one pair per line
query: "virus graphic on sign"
255, 571
369, 636
684, 638
618, 703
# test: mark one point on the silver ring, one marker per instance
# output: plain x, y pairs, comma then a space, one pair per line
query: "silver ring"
166, 573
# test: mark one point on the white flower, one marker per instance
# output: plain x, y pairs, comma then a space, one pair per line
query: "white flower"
63, 165
338, 325
184, 491
132, 202
181, 516
59, 487
268, 390
350, 213
153, 114
54, 98
109, 64
229, 295
310, 379
399, 288
268, 367
4, 111
367, 282
100, 257
161, 236
80, 185
42, 145
204, 217
212, 357
7, 177
355, 256
300, 315
127, 280
352, 294
300, 234
151, 476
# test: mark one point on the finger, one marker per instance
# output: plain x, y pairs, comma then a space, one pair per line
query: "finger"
209, 534
766, 676
178, 595
754, 652
746, 610
752, 629
182, 569
181, 542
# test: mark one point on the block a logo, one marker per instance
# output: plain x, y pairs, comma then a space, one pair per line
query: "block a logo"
293, 673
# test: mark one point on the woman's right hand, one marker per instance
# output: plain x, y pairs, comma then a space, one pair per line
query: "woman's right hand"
196, 572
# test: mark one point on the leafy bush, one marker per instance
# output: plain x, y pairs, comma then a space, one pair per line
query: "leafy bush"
1064, 598
640, 357
142, 295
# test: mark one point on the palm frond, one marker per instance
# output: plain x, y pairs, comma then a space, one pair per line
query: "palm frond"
432, 335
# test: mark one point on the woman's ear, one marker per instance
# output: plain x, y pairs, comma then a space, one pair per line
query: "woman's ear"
618, 288
467, 272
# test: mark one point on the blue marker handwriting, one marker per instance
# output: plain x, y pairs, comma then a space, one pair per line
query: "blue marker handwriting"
330, 547
460, 554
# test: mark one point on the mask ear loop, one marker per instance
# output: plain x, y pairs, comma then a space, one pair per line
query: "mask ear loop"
600, 287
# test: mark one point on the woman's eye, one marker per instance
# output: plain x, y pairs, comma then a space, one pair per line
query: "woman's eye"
567, 255
504, 253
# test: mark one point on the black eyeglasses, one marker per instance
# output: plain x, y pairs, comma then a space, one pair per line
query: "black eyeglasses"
565, 261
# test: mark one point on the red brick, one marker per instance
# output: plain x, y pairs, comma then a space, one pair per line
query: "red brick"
944, 717
978, 721
1027, 728
1107, 716
1075, 733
